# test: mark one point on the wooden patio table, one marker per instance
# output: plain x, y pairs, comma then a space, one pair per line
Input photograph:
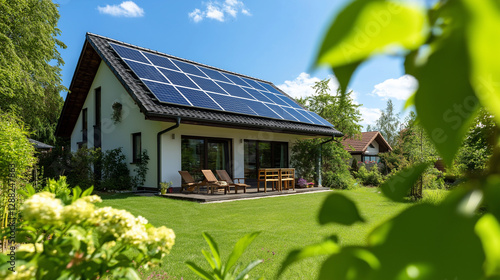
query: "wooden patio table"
274, 175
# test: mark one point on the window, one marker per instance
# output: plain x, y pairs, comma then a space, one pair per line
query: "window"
198, 153
371, 146
84, 125
371, 158
264, 154
136, 147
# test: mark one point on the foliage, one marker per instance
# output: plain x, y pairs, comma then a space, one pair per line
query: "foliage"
412, 145
15, 149
304, 158
116, 116
68, 237
433, 179
449, 49
369, 178
165, 185
388, 124
339, 108
115, 173
141, 170
339, 180
81, 167
229, 270
478, 145
30, 64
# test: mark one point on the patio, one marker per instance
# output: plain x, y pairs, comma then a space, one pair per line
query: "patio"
251, 193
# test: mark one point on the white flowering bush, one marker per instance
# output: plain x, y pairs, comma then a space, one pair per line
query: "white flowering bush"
68, 237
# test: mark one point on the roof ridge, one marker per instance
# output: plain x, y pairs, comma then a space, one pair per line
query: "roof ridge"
180, 58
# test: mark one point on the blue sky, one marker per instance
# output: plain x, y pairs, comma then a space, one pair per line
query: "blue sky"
271, 40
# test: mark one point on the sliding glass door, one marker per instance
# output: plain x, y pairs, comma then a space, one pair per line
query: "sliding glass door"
264, 154
200, 153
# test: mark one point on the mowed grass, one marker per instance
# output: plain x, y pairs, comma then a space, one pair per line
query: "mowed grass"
285, 223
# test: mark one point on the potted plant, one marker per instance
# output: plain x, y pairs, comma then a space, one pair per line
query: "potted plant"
164, 186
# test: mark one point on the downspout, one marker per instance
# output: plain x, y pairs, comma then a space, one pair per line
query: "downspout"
158, 148
319, 161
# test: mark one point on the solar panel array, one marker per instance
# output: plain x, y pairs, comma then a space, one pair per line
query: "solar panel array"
183, 83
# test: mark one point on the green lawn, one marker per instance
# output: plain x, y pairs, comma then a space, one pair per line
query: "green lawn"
285, 223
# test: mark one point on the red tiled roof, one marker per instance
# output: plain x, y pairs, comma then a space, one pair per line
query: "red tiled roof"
358, 146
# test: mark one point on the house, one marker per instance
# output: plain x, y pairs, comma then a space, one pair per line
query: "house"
186, 115
368, 147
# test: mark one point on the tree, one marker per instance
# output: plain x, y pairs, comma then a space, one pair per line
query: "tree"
388, 124
339, 108
341, 111
30, 79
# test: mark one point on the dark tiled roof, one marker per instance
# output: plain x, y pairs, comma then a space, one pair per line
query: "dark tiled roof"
358, 146
153, 109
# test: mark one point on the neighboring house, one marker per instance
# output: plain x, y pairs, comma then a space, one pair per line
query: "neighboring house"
368, 147
188, 116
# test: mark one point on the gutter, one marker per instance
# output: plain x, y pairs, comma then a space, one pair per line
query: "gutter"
158, 148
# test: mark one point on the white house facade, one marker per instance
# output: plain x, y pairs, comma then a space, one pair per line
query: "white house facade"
179, 136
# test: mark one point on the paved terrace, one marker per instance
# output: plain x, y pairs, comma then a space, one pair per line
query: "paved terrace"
251, 193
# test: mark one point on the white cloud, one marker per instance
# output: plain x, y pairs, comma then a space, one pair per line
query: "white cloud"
196, 15
400, 88
369, 115
302, 85
219, 10
214, 12
125, 9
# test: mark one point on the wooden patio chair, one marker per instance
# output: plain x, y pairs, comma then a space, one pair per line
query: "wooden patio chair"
213, 183
269, 175
225, 177
288, 178
189, 183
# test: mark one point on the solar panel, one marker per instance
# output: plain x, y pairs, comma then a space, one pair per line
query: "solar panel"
166, 93
270, 88
236, 80
199, 98
234, 90
161, 61
188, 84
207, 84
129, 53
178, 78
144, 71
216, 75
258, 95
189, 68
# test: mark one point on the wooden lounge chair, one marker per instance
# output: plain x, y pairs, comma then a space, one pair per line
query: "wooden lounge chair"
225, 177
213, 183
288, 178
189, 183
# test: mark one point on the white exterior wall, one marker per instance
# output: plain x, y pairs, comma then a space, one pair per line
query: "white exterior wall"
372, 151
133, 121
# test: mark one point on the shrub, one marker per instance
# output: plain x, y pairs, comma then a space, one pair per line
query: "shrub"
82, 164
433, 179
141, 170
370, 178
68, 237
339, 180
15, 148
115, 173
